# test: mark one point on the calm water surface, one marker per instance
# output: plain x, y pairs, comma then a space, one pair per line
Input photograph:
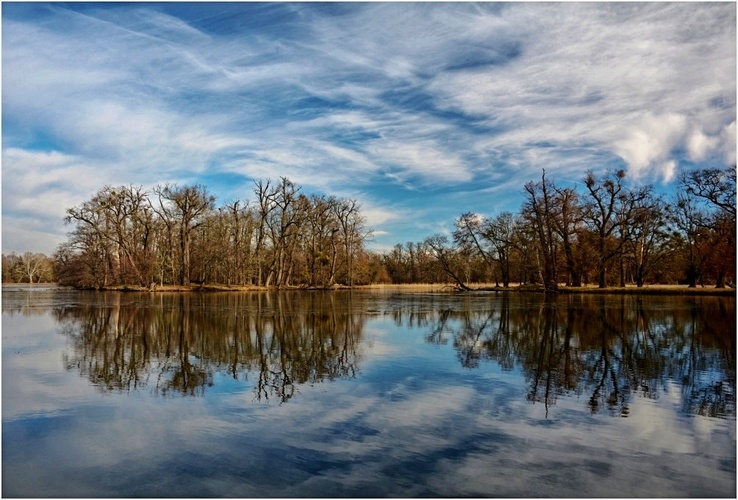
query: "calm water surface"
325, 394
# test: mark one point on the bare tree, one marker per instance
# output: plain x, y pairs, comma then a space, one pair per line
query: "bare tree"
539, 211
711, 194
718, 187
241, 225
282, 223
648, 240
690, 221
265, 205
501, 232
352, 232
321, 245
120, 218
603, 210
438, 244
470, 235
567, 223
185, 207
34, 265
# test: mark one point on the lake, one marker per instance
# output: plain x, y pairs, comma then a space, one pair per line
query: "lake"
366, 394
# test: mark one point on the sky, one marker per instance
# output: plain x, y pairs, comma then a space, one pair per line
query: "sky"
419, 111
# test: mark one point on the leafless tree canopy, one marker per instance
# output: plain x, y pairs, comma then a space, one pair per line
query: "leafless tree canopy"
609, 233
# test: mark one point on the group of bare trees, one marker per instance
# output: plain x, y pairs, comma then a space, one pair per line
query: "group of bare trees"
610, 233
177, 235
27, 268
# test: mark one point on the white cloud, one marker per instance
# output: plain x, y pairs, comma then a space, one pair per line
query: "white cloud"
729, 143
651, 141
415, 95
699, 145
423, 158
29, 177
668, 170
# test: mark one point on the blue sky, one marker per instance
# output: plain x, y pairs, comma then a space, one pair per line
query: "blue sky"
420, 111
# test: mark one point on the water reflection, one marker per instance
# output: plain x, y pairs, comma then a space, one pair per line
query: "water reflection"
605, 350
177, 343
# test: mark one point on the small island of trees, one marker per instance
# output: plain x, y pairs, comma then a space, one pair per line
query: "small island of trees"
608, 233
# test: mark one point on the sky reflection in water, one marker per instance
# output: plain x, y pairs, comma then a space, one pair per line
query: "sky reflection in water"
367, 394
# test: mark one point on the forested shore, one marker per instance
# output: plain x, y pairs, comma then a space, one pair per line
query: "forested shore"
611, 235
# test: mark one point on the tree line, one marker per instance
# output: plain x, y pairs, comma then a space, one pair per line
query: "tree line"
606, 233
609, 233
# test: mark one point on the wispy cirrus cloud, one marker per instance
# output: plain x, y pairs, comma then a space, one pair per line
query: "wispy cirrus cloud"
607, 77
396, 103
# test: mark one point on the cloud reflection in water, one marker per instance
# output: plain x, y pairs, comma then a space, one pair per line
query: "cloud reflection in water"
313, 396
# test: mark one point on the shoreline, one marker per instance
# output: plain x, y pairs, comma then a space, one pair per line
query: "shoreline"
653, 289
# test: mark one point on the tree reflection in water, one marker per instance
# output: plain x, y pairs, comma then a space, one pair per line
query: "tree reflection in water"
606, 348
176, 343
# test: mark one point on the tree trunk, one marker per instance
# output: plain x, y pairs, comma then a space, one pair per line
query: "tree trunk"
720, 282
602, 276
184, 272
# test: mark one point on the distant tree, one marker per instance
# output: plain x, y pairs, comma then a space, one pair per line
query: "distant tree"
240, 222
394, 263
412, 263
34, 265
525, 260
27, 268
488, 240
122, 236
369, 269
12, 267
265, 205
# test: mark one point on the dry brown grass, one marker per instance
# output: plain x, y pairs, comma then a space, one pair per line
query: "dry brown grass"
628, 289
